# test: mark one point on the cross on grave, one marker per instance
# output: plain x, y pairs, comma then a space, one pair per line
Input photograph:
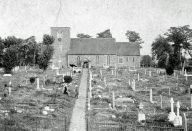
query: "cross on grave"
178, 119
171, 115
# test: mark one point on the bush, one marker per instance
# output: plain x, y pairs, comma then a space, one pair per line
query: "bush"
188, 68
32, 79
68, 79
74, 71
169, 70
48, 82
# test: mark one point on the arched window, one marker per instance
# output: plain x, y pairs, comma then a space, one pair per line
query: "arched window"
97, 59
108, 60
78, 61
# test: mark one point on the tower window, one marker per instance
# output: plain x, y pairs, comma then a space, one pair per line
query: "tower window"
120, 60
59, 35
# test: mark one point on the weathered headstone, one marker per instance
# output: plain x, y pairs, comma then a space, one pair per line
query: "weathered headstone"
178, 119
133, 84
138, 77
171, 115
38, 84
191, 101
141, 114
149, 73
151, 96
113, 100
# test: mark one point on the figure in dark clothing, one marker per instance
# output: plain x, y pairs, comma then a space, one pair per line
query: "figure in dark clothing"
65, 91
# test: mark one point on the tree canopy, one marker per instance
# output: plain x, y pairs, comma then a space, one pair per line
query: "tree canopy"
83, 35
104, 34
12, 40
146, 60
133, 36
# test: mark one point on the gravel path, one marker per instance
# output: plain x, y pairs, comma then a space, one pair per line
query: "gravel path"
78, 122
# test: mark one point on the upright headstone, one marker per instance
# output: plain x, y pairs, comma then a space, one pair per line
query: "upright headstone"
113, 100
129, 82
149, 73
191, 101
145, 71
26, 82
161, 102
151, 96
9, 90
133, 84
141, 114
171, 115
178, 119
38, 84
185, 122
169, 91
138, 77
163, 77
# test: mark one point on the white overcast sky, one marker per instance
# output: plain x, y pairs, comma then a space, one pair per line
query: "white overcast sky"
24, 18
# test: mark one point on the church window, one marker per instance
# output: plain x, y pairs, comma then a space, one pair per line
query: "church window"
97, 59
120, 60
108, 60
78, 61
133, 59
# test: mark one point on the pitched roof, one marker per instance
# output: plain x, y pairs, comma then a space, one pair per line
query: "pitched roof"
103, 46
128, 49
92, 46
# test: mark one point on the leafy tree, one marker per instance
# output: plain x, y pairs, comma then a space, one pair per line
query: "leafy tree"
68, 79
132, 36
9, 59
46, 52
83, 35
146, 60
12, 40
1, 51
48, 40
104, 34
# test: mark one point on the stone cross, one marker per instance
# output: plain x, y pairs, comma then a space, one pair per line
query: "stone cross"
172, 115
113, 99
133, 84
38, 84
151, 95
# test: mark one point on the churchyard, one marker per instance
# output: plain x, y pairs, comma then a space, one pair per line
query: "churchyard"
34, 100
138, 99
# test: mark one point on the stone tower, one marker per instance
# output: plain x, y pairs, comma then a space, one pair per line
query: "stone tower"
61, 45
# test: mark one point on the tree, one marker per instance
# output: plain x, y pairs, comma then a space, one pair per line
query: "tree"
48, 40
181, 36
132, 36
146, 60
104, 34
83, 35
12, 40
9, 59
1, 51
46, 52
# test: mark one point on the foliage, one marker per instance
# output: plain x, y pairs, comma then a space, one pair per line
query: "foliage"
9, 59
181, 36
46, 52
104, 34
1, 51
68, 79
188, 68
32, 79
12, 40
169, 70
161, 47
132, 36
83, 35
47, 40
146, 61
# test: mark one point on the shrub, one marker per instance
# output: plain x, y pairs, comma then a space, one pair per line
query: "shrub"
32, 79
188, 68
169, 70
74, 71
48, 82
68, 79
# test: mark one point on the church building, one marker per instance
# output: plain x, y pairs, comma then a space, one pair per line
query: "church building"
96, 52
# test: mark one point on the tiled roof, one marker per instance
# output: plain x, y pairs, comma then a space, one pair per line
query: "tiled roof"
102, 46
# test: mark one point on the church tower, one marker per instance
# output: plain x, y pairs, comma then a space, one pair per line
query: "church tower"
61, 45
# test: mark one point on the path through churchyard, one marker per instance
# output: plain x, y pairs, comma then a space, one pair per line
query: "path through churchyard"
78, 118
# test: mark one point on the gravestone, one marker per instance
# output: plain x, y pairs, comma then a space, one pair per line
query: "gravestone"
38, 84
151, 96
161, 102
171, 115
113, 100
141, 114
138, 77
133, 85
178, 119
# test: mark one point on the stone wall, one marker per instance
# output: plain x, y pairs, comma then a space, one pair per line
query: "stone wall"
127, 60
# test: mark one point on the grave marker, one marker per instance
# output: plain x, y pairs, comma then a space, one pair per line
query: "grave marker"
161, 102
141, 115
151, 96
129, 82
133, 84
171, 115
149, 73
9, 90
113, 99
38, 84
138, 77
178, 118
191, 101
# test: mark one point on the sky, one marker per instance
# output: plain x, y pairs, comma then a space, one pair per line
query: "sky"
149, 18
